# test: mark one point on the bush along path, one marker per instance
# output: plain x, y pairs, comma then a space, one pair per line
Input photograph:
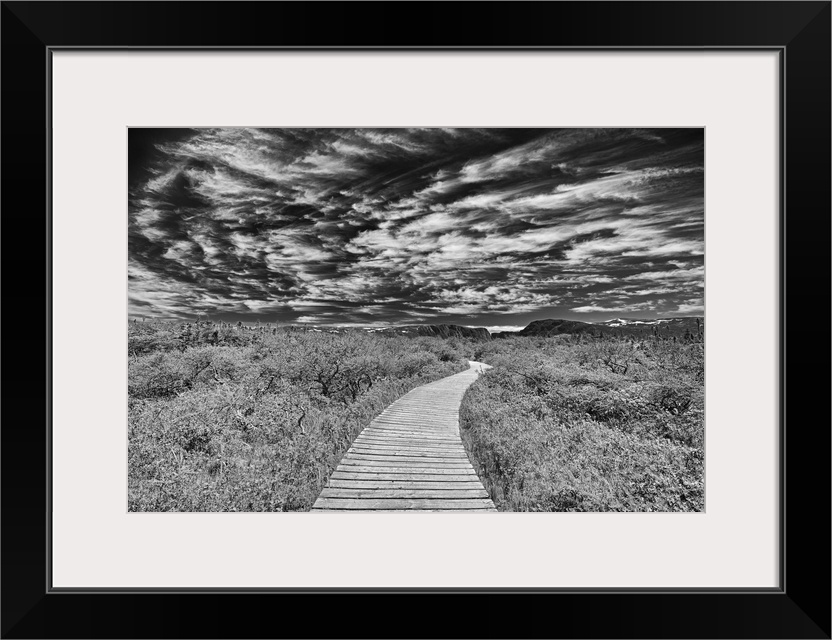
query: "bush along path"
411, 458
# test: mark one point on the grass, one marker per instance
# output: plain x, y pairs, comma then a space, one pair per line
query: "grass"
603, 425
257, 420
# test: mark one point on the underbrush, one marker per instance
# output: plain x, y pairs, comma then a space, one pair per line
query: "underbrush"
602, 425
258, 422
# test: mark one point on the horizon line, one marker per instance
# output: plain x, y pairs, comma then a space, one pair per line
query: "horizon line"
391, 325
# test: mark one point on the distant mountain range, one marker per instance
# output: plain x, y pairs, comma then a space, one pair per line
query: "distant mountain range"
622, 327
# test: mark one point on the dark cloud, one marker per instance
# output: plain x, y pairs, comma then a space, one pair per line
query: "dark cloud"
380, 226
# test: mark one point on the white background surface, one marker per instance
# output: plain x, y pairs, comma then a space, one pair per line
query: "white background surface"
98, 95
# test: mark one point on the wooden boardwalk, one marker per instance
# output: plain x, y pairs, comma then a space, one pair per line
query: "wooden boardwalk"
411, 458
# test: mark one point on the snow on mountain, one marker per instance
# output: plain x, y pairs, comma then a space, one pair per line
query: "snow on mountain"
620, 322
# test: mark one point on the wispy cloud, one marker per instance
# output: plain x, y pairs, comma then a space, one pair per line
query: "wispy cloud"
368, 225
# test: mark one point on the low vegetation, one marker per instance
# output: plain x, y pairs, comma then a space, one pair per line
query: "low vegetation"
226, 418
232, 418
569, 424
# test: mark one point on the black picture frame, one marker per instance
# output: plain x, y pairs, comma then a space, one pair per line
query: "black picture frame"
799, 608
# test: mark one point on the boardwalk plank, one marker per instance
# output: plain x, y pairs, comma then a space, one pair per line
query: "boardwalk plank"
399, 471
364, 444
427, 417
438, 438
448, 436
407, 465
418, 460
422, 435
407, 442
418, 427
386, 511
409, 456
371, 504
426, 421
410, 453
373, 493
337, 483
393, 442
387, 446
440, 416
386, 427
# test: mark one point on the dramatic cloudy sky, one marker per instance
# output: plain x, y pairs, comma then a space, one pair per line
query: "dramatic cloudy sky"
487, 227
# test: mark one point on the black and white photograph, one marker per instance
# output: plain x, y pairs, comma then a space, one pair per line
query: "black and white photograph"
416, 319
417, 311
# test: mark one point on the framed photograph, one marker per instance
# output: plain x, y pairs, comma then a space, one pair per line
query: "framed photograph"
512, 299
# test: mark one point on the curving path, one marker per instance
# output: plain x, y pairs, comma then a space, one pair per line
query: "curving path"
411, 458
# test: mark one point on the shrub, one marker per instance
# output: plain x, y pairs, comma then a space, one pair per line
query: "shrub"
260, 425
588, 426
